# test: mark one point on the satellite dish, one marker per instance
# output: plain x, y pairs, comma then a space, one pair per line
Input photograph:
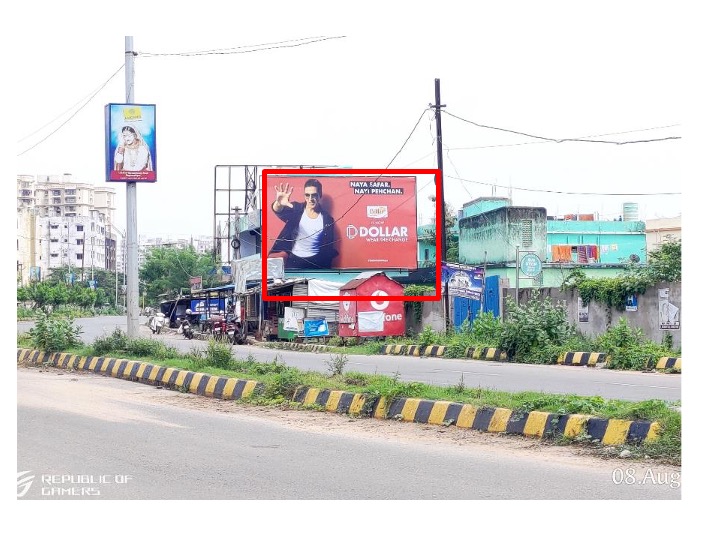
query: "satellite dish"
634, 258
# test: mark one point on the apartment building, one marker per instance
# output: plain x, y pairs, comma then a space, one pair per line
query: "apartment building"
64, 223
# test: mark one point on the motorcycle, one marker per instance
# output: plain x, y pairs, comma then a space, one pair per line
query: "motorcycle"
226, 329
184, 327
156, 322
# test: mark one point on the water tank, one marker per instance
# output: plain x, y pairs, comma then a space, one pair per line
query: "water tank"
630, 212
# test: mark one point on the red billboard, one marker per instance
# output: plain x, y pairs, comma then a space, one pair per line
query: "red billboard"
321, 222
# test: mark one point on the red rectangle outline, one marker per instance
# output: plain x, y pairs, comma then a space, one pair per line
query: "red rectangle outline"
350, 172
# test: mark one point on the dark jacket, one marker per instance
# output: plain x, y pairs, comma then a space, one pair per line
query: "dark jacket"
286, 239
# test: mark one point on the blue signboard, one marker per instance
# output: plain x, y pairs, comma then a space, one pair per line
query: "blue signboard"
316, 327
210, 305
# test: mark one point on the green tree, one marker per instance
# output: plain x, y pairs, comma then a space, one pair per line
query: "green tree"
167, 270
665, 262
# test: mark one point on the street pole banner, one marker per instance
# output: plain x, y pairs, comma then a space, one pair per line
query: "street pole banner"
130, 143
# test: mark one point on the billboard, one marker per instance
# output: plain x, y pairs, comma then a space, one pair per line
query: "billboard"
321, 222
467, 282
130, 143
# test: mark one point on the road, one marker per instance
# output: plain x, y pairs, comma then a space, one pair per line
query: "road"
510, 377
85, 436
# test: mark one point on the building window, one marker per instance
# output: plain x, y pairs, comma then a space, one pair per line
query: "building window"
56, 192
427, 254
79, 256
79, 242
54, 226
79, 228
69, 192
54, 239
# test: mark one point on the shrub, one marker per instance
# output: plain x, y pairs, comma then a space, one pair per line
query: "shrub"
53, 335
487, 329
115, 342
336, 364
629, 349
219, 354
532, 329
283, 384
427, 337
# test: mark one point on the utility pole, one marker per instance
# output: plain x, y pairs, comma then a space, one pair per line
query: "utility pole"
441, 202
131, 292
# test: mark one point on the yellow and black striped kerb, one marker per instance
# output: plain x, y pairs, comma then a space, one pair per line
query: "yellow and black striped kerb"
582, 358
393, 349
489, 419
434, 350
135, 370
494, 420
413, 350
486, 353
669, 362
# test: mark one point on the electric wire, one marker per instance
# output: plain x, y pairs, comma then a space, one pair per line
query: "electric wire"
551, 139
89, 99
566, 192
335, 221
233, 50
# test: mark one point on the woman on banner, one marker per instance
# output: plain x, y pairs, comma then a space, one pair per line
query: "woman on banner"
132, 153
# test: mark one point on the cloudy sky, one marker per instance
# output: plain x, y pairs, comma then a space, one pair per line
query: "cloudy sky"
349, 86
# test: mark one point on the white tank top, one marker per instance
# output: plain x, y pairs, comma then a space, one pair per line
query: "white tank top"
308, 237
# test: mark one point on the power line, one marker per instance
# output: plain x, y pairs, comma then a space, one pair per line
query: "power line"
545, 142
566, 192
361, 196
260, 47
550, 139
89, 99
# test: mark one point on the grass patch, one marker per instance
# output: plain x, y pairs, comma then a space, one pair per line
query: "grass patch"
281, 381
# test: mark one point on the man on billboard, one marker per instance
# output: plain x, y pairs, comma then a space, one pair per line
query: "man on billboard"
307, 241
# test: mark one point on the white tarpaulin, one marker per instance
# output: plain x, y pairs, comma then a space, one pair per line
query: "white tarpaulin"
320, 287
244, 270
371, 321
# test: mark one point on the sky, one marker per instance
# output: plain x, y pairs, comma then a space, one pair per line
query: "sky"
612, 71
354, 99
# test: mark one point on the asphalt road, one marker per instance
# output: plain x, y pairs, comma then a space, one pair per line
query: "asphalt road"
84, 436
609, 384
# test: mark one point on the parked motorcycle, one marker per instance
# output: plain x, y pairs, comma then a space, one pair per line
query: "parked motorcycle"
184, 327
156, 322
225, 329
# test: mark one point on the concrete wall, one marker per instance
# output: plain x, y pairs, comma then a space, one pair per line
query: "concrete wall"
600, 317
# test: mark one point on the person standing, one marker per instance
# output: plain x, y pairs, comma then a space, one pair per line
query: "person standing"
307, 241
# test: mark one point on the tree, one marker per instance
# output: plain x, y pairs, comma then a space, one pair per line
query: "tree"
167, 270
452, 250
665, 262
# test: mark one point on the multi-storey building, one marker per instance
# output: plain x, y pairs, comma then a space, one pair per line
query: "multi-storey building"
63, 223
